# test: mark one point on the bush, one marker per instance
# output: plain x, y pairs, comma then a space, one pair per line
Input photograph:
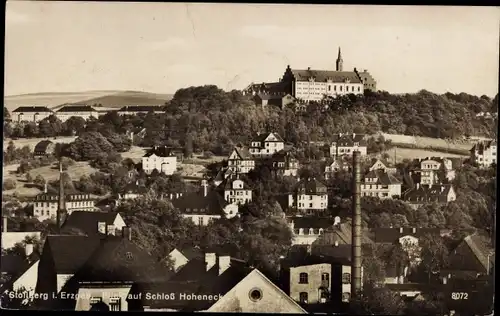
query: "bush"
9, 184
207, 155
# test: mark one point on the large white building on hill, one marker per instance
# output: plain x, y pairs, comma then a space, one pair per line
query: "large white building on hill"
313, 85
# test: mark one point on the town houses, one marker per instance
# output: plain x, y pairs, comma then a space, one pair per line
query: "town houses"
484, 153
31, 114
266, 144
161, 159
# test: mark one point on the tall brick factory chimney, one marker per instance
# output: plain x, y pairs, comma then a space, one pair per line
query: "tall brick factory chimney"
356, 227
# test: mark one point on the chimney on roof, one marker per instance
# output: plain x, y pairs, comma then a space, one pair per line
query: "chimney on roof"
5, 224
308, 68
336, 243
442, 188
127, 233
353, 135
28, 249
418, 185
336, 221
210, 260
45, 187
414, 230
224, 263
400, 230
137, 182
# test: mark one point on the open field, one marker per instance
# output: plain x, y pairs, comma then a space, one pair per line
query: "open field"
19, 143
135, 153
108, 98
413, 153
428, 142
48, 173
192, 170
51, 99
121, 99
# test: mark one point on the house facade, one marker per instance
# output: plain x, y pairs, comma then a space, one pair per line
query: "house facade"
285, 164
436, 170
314, 85
140, 109
380, 184
345, 144
309, 197
45, 204
306, 230
31, 114
266, 145
160, 159
83, 111
421, 195
204, 206
335, 166
240, 161
484, 153
236, 191
379, 165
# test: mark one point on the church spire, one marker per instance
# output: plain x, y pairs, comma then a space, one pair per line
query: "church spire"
62, 203
339, 61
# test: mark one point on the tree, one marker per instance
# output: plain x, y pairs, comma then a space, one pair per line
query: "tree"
157, 226
9, 184
377, 301
188, 146
434, 254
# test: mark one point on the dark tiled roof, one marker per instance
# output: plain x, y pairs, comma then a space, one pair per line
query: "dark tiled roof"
76, 108
160, 151
87, 222
197, 203
428, 194
135, 188
382, 177
265, 96
324, 75
391, 235
472, 255
481, 146
311, 187
194, 270
42, 146
341, 233
266, 87
341, 251
227, 184
192, 252
262, 137
32, 109
118, 259
222, 174
311, 222
69, 253
139, 108
299, 259
243, 153
349, 139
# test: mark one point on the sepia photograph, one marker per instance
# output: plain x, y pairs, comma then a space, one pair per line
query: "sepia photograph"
249, 158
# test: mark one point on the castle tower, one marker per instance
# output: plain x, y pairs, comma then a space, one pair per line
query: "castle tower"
339, 61
61, 208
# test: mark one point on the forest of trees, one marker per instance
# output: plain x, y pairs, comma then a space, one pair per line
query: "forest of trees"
210, 119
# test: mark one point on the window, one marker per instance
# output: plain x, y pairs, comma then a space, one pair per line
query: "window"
347, 88
325, 279
94, 300
128, 255
346, 278
114, 304
303, 297
255, 294
303, 278
200, 220
346, 296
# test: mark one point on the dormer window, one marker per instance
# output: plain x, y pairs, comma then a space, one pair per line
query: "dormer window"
311, 231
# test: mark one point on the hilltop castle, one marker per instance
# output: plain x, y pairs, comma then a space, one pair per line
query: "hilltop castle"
313, 85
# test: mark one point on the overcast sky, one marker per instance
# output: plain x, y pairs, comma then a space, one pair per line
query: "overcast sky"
161, 47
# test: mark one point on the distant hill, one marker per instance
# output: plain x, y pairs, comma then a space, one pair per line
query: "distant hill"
121, 99
110, 98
